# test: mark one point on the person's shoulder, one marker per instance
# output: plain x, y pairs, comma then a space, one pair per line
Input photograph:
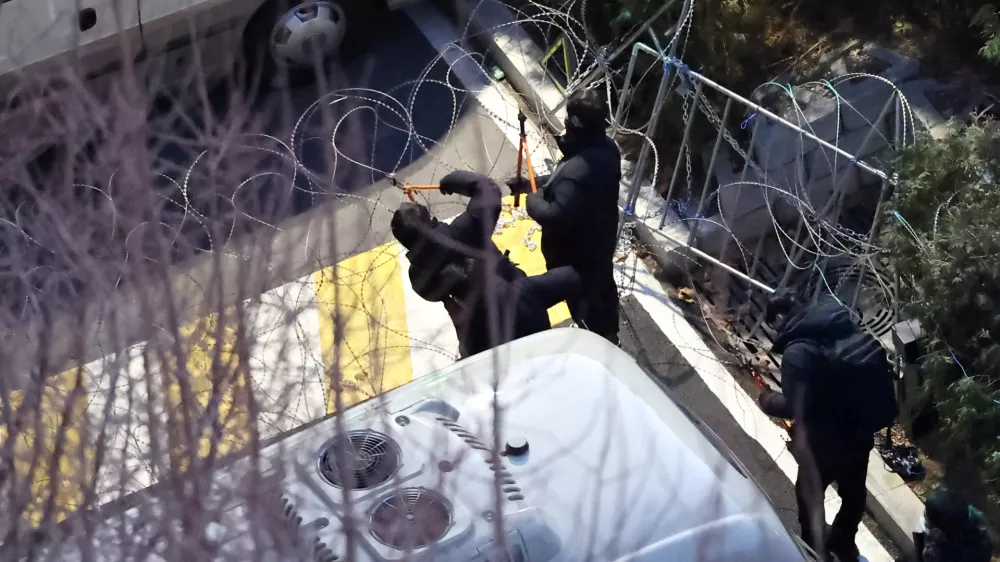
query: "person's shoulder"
439, 230
803, 351
608, 144
604, 148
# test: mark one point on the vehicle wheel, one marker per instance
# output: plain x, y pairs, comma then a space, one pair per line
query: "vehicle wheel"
287, 38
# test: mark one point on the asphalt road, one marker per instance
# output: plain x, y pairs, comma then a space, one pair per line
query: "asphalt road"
391, 113
392, 108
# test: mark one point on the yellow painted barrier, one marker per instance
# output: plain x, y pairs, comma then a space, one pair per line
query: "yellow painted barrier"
51, 458
216, 404
366, 295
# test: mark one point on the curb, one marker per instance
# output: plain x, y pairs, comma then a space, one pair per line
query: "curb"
493, 25
891, 503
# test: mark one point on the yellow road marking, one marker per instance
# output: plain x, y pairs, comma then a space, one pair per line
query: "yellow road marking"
374, 358
530, 261
366, 295
50, 458
216, 405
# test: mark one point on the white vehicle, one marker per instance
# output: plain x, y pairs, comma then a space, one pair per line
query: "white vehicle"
599, 463
88, 35
47, 45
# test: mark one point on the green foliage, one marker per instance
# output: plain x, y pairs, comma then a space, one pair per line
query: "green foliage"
988, 20
945, 245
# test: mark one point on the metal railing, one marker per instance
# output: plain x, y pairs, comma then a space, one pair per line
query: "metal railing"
818, 231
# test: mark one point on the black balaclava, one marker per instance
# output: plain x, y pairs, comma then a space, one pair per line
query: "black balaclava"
780, 306
410, 223
586, 117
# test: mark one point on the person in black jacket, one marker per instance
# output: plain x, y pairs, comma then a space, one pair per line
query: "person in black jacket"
953, 531
489, 299
577, 208
837, 388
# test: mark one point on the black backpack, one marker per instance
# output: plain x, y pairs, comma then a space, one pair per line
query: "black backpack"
861, 396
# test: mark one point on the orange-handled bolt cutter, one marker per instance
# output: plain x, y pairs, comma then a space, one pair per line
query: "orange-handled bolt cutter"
524, 159
410, 189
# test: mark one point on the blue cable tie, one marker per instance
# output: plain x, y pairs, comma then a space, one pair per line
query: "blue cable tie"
681, 67
629, 209
744, 124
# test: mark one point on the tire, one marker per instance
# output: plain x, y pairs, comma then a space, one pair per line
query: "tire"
326, 29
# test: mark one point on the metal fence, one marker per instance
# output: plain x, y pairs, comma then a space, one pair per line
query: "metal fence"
793, 200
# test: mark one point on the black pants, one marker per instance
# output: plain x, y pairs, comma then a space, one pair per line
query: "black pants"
521, 303
823, 466
596, 309
550, 288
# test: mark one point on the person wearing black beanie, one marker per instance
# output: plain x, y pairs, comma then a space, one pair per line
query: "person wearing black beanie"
577, 208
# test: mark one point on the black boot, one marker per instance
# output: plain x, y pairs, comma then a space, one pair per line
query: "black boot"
842, 546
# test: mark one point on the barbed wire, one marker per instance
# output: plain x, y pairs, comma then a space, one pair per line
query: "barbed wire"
284, 168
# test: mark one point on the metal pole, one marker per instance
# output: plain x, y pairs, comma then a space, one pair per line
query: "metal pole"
835, 202
639, 171
642, 29
882, 114
640, 164
836, 196
688, 120
661, 98
711, 168
757, 108
623, 97
625, 46
753, 270
714, 261
739, 192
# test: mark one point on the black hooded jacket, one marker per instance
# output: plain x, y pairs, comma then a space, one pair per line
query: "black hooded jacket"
834, 376
469, 235
577, 205
459, 265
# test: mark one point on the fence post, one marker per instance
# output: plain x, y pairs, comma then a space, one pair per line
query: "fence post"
708, 176
688, 121
639, 171
739, 192
626, 90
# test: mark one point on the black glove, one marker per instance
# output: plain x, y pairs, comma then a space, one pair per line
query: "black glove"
519, 186
460, 182
773, 404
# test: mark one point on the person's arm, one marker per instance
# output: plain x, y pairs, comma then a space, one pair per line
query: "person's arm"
438, 286
557, 206
796, 365
522, 185
427, 284
477, 223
